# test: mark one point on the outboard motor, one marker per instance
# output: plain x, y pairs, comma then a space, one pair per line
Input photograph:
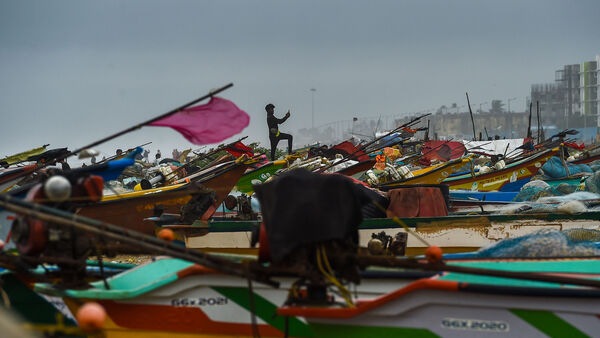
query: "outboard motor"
384, 244
242, 204
39, 241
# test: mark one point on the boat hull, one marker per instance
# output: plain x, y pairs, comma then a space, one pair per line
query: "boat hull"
471, 305
357, 169
433, 311
258, 176
510, 178
173, 298
192, 301
435, 175
130, 210
456, 231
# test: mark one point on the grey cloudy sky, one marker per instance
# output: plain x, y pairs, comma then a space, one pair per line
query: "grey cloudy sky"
75, 71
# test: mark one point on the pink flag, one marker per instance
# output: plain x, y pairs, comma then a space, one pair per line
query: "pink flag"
209, 123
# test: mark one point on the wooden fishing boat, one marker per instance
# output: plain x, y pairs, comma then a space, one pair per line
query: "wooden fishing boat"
130, 210
174, 297
485, 196
356, 169
259, 175
46, 316
586, 159
28, 155
170, 297
264, 173
455, 233
458, 305
10, 176
458, 231
435, 174
303, 284
510, 178
581, 154
220, 179
477, 230
461, 199
51, 316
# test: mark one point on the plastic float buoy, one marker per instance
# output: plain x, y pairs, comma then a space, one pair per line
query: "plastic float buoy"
57, 189
166, 234
375, 246
433, 254
91, 317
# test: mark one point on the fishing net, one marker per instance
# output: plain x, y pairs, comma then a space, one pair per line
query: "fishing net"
547, 243
541, 191
581, 235
592, 183
531, 192
556, 168
575, 196
595, 165
571, 204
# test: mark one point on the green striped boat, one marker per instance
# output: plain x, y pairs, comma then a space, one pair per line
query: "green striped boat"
259, 175
171, 296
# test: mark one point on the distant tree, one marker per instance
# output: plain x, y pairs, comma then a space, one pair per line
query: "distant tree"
454, 107
497, 107
442, 110
258, 149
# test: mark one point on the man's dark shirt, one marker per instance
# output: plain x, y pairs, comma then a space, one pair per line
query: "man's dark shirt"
273, 123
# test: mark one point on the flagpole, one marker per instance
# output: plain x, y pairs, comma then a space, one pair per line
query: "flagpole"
140, 125
130, 129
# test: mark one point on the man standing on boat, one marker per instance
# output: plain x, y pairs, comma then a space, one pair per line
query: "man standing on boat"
274, 134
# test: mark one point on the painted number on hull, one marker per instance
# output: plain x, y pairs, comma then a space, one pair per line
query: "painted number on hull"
208, 301
261, 179
474, 324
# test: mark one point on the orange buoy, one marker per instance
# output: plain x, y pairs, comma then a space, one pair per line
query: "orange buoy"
433, 254
380, 162
166, 234
91, 317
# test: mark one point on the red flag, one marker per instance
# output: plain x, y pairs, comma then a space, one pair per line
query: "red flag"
441, 150
575, 145
351, 149
209, 123
238, 149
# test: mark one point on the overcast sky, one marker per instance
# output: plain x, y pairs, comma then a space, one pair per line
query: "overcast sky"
75, 71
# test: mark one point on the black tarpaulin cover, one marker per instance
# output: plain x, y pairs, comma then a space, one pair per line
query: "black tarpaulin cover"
300, 207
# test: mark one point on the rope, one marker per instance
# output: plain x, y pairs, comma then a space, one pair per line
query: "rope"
5, 298
329, 275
